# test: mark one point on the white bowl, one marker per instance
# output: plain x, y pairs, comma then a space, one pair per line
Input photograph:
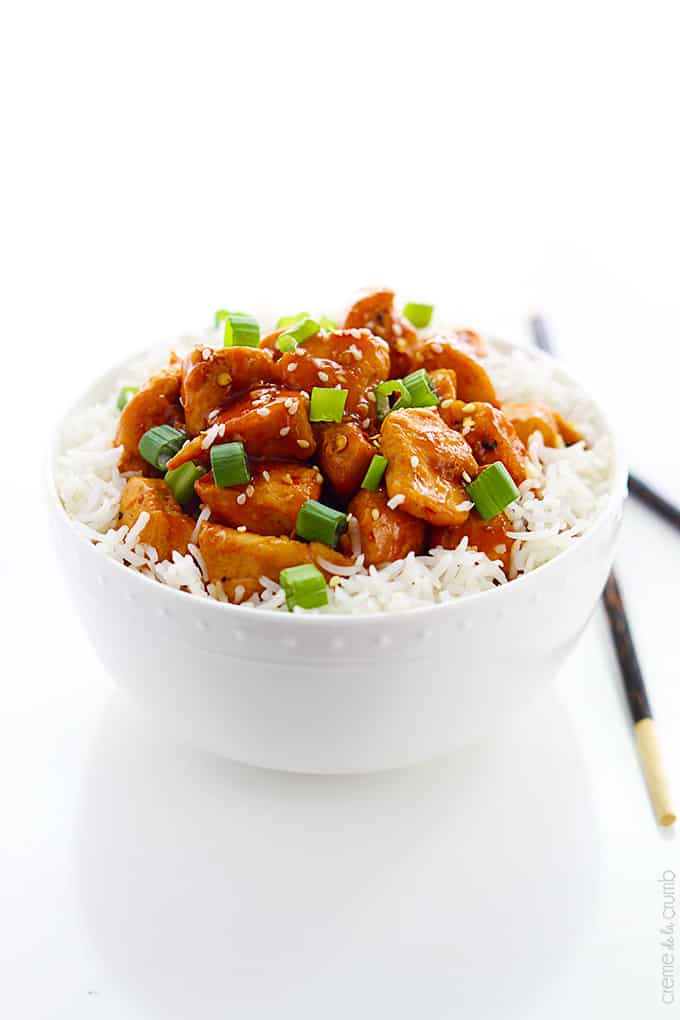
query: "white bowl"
333, 693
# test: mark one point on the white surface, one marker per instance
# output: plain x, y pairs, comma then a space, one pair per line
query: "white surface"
164, 161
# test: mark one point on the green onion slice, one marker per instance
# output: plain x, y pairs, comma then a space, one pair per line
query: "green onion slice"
303, 329
240, 330
181, 481
375, 472
304, 586
384, 391
319, 523
220, 316
289, 320
229, 463
125, 396
327, 404
160, 444
328, 324
420, 389
286, 343
419, 315
492, 490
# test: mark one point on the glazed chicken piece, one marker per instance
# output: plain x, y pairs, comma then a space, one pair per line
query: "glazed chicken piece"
466, 338
535, 417
168, 528
231, 554
444, 382
344, 453
472, 380
269, 504
491, 436
429, 465
210, 378
271, 422
487, 536
386, 535
375, 310
157, 403
355, 360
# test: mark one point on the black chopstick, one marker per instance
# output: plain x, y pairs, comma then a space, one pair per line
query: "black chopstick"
633, 680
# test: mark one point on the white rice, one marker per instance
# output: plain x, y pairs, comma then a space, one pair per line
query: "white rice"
573, 482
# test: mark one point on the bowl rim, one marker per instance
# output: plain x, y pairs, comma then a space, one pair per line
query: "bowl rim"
612, 507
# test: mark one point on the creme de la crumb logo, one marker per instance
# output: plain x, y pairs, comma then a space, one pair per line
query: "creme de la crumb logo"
667, 930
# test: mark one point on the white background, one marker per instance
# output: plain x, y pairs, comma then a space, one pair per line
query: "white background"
164, 160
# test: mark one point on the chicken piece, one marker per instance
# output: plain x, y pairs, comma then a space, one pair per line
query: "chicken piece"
487, 536
491, 436
344, 453
210, 378
386, 535
444, 382
375, 310
472, 380
168, 528
429, 465
283, 432
466, 338
269, 504
352, 359
569, 434
230, 554
157, 403
534, 417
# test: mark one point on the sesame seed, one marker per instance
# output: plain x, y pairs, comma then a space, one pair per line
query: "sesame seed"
287, 402
241, 528
241, 498
446, 403
468, 423
263, 412
356, 353
437, 348
396, 501
375, 514
371, 397
250, 491
239, 591
213, 414
401, 346
303, 443
334, 581
292, 366
467, 408
397, 328
293, 409
319, 478
500, 548
206, 352
223, 379
266, 476
284, 431
340, 443
323, 376
366, 423
466, 478
414, 462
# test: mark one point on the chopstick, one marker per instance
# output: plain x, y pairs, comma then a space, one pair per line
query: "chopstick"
646, 736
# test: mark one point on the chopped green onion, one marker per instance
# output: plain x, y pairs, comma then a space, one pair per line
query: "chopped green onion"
290, 320
492, 490
419, 315
125, 396
286, 343
384, 391
303, 329
229, 463
328, 324
160, 444
420, 389
304, 586
181, 480
240, 330
327, 404
220, 316
319, 523
375, 472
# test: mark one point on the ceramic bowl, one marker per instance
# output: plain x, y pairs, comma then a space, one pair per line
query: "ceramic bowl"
335, 694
